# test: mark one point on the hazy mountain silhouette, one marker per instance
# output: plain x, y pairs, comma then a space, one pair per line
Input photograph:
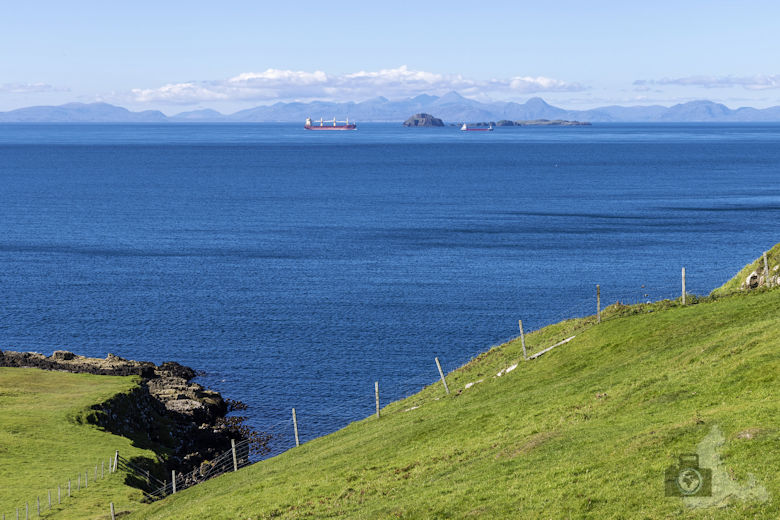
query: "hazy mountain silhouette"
451, 107
81, 113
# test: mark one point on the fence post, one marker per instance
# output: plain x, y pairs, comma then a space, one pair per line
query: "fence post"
26, 511
86, 479
441, 374
95, 471
683, 286
376, 392
522, 338
68, 488
173, 480
233, 449
598, 304
59, 494
116, 459
78, 484
766, 271
102, 470
113, 517
49, 491
38, 504
295, 428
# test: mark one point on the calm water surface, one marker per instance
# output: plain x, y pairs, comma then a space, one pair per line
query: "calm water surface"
296, 268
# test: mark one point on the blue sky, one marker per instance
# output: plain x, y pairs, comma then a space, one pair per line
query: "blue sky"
229, 55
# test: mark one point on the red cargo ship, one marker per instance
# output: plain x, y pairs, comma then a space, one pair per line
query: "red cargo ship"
330, 124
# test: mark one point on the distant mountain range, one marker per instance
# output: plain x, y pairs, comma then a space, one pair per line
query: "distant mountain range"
452, 108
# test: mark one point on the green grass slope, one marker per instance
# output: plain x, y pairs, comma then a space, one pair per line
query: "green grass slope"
44, 441
585, 431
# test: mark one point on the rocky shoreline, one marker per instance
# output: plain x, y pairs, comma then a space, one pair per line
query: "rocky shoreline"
181, 421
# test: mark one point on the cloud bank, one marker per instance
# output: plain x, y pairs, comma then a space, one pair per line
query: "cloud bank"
285, 85
29, 88
757, 82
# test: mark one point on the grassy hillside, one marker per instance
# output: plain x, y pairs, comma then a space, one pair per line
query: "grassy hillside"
44, 441
734, 285
584, 431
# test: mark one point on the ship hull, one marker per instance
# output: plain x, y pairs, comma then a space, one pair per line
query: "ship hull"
340, 127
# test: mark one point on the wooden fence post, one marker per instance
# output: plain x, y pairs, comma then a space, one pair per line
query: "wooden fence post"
522, 337
102, 470
295, 428
598, 304
766, 271
68, 488
441, 374
113, 516
49, 491
173, 480
233, 449
78, 484
95, 471
683, 286
116, 459
86, 479
59, 494
376, 392
38, 504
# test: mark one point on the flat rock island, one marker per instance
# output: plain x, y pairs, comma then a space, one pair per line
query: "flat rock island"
542, 122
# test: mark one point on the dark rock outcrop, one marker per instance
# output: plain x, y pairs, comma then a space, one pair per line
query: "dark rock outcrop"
167, 413
70, 362
425, 120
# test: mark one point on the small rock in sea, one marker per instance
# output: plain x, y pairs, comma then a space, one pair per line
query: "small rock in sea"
423, 120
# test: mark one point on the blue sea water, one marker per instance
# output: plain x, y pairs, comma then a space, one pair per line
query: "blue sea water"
296, 268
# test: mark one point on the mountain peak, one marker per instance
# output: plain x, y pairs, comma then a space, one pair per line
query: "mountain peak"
424, 98
378, 99
451, 97
537, 102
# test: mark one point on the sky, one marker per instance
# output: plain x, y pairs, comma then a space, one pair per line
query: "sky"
178, 56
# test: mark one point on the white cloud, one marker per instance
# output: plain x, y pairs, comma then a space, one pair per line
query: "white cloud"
29, 88
276, 84
757, 82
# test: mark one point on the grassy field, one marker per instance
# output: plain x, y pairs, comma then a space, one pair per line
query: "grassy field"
585, 431
44, 442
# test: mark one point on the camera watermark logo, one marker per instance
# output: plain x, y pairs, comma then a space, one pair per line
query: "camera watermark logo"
688, 479
702, 480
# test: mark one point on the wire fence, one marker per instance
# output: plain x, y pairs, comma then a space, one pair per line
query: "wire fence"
284, 435
63, 490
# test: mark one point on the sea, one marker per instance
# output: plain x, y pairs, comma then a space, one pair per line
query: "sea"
296, 269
